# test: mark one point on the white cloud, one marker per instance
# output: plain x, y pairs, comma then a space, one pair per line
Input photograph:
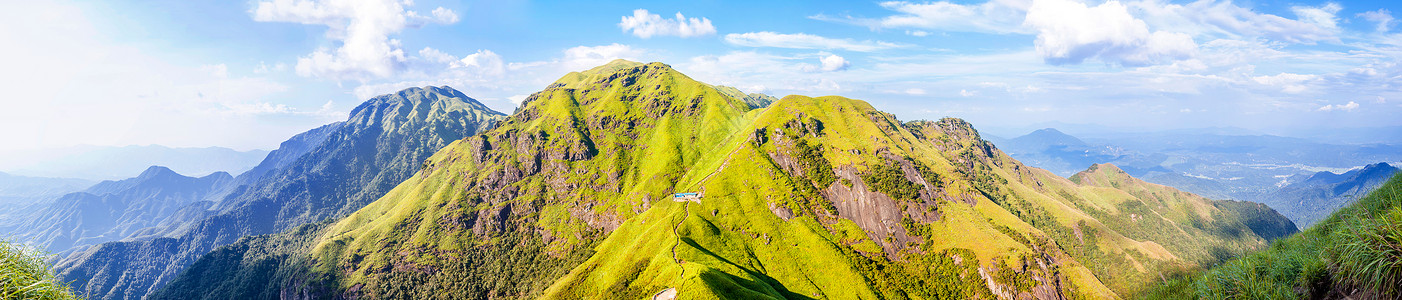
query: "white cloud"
1225, 19
1070, 32
1340, 107
915, 91
828, 63
1287, 82
487, 76
804, 41
968, 93
84, 82
646, 25
997, 16
1381, 16
517, 99
486, 61
363, 30
445, 16
584, 57
1323, 16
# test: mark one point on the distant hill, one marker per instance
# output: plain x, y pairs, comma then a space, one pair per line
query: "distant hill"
1319, 195
341, 167
1351, 254
112, 163
1058, 152
18, 190
111, 210
573, 196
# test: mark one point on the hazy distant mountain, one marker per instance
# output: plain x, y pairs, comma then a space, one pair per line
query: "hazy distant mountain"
1056, 151
111, 163
17, 190
111, 210
383, 142
1314, 198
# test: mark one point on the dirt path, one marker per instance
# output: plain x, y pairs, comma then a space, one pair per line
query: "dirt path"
723, 164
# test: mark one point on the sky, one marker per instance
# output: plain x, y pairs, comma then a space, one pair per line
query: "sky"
248, 75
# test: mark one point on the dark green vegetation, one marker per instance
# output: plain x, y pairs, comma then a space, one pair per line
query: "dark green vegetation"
25, 275
570, 197
324, 173
1355, 253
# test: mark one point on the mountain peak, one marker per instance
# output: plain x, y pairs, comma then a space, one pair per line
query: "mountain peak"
1101, 175
154, 171
618, 64
1048, 137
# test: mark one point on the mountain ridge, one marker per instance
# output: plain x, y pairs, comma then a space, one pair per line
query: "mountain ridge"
380, 144
825, 197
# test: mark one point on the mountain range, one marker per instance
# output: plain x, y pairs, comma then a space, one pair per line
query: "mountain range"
112, 162
323, 173
1303, 180
586, 191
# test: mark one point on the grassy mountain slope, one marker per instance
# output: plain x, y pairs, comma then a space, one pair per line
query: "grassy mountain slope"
1352, 254
382, 143
808, 197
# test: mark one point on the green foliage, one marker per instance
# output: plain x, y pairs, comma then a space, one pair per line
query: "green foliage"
891, 181
1354, 250
815, 166
948, 274
25, 275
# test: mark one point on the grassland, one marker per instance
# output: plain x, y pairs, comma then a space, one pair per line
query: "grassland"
806, 197
1355, 253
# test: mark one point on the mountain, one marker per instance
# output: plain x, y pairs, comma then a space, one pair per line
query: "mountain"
383, 142
111, 210
1058, 152
754, 100
21, 195
1351, 254
109, 162
19, 190
575, 196
1319, 195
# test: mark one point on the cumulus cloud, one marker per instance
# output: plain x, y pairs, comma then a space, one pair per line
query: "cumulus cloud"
1340, 107
1382, 16
584, 57
828, 63
1287, 82
803, 41
646, 25
1070, 32
362, 30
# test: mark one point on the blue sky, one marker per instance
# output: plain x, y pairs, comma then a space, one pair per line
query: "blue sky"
250, 74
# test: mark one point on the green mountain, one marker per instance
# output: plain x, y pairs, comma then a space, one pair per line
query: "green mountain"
573, 197
754, 100
111, 210
1352, 254
1317, 196
384, 141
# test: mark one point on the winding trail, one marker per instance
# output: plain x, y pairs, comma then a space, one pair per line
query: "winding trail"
723, 164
